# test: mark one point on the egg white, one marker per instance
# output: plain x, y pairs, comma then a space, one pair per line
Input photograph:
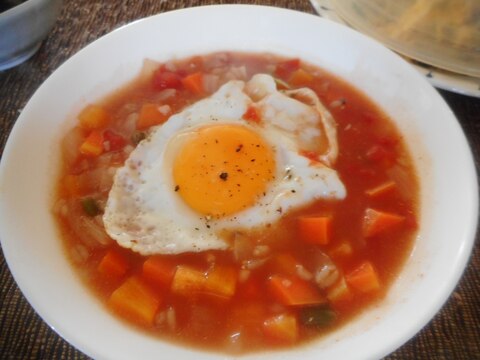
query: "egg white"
144, 212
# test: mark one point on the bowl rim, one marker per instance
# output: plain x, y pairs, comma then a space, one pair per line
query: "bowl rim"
8, 247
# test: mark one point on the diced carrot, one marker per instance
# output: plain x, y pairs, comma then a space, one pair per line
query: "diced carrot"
113, 265
252, 115
150, 115
300, 77
290, 290
342, 250
339, 292
94, 117
188, 281
93, 144
282, 328
194, 83
159, 270
364, 278
381, 189
376, 221
283, 263
315, 229
134, 299
221, 281
285, 68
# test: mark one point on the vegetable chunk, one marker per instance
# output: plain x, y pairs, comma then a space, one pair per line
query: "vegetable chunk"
315, 229
376, 222
282, 328
289, 290
113, 265
135, 300
364, 278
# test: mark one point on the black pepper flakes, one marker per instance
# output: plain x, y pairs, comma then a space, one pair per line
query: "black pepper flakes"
223, 176
239, 147
177, 188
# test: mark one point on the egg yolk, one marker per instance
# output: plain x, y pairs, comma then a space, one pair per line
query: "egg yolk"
223, 169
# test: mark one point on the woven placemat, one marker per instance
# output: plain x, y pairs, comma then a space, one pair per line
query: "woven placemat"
454, 333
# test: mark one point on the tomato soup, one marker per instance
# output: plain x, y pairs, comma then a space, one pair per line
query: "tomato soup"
283, 283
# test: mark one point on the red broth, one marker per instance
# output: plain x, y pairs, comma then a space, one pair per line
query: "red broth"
276, 287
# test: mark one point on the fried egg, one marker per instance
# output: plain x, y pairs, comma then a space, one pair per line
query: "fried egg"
208, 170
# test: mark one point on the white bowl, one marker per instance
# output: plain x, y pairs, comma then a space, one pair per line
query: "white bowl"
449, 199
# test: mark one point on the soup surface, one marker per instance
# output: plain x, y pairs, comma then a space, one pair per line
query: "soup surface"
236, 202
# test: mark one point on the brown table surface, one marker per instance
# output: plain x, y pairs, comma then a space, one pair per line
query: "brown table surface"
454, 333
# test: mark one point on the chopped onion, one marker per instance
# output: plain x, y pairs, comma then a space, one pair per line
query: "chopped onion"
211, 83
303, 273
148, 68
242, 247
61, 208
70, 144
243, 275
165, 95
171, 318
253, 263
326, 272
164, 109
261, 250
79, 253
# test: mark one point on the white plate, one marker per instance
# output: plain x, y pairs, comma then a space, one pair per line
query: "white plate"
443, 79
448, 213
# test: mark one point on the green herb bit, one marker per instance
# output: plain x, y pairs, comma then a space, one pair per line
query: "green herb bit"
91, 207
138, 136
317, 316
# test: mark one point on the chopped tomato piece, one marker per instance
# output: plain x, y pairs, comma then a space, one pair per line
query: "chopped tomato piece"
252, 115
159, 270
285, 68
282, 328
93, 144
150, 115
113, 265
300, 77
135, 300
364, 278
376, 221
290, 290
94, 117
315, 229
194, 83
113, 141
163, 79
